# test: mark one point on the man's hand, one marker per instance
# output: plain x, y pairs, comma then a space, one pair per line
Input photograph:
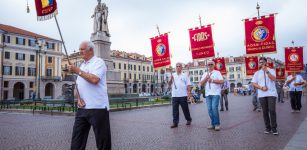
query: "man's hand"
189, 95
73, 69
210, 80
264, 89
81, 103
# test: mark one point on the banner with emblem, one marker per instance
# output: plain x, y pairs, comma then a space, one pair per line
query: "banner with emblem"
270, 63
294, 58
160, 51
45, 9
280, 73
220, 65
251, 64
201, 40
260, 35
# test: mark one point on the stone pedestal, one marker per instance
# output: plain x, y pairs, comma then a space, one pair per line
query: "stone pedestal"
102, 50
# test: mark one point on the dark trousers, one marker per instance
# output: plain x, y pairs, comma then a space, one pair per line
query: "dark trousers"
99, 119
224, 97
268, 105
182, 101
295, 97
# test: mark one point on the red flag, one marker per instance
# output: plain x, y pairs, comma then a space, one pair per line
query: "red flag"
220, 65
260, 35
251, 64
45, 9
294, 59
201, 42
160, 51
270, 64
280, 73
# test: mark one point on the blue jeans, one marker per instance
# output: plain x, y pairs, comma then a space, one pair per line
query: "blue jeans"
213, 104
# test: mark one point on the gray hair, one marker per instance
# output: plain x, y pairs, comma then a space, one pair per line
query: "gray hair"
90, 45
179, 63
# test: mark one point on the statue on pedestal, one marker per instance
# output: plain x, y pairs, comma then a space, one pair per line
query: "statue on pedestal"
101, 18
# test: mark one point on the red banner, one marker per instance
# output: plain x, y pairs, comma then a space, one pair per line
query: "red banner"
294, 59
251, 64
270, 63
201, 42
45, 9
220, 65
160, 51
280, 73
260, 35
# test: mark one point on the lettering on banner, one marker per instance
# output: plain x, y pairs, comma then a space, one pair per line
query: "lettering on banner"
202, 36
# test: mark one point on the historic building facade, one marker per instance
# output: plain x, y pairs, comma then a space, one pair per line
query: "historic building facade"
29, 59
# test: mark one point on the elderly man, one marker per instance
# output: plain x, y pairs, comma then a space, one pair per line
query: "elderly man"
93, 100
181, 91
264, 80
212, 82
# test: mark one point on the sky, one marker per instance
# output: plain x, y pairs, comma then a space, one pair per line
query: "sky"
133, 22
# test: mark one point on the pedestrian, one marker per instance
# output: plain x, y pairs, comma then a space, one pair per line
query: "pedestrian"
212, 82
93, 103
224, 95
255, 101
279, 92
181, 92
264, 81
295, 82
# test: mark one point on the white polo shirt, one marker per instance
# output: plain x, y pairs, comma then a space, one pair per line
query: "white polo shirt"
181, 81
94, 95
298, 79
260, 80
213, 88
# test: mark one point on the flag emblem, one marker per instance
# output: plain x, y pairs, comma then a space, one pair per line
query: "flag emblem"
160, 49
260, 34
252, 65
293, 57
46, 3
219, 65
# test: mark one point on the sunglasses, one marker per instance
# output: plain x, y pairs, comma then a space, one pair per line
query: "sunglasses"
178, 66
210, 64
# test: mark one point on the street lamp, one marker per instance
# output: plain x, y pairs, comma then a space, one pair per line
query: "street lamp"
40, 44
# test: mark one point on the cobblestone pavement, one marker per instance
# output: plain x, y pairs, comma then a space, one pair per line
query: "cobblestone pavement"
149, 129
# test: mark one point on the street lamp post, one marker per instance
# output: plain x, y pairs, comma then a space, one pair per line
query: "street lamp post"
38, 56
2, 69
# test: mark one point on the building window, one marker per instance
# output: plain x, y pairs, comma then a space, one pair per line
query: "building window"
139, 76
125, 76
31, 42
49, 72
31, 84
129, 75
134, 67
238, 76
50, 45
231, 69
20, 56
201, 72
7, 39
114, 65
196, 72
238, 68
191, 72
7, 70
119, 66
196, 79
49, 59
20, 41
143, 68
31, 71
134, 77
191, 79
231, 76
139, 68
32, 58
19, 71
125, 66
151, 69
6, 84
147, 69
5, 94
7, 55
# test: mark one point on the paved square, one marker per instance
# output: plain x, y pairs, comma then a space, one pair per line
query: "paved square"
241, 128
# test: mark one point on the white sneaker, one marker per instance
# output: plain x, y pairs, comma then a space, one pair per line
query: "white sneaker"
217, 128
210, 127
292, 111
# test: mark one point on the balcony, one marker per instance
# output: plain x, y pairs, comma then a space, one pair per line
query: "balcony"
51, 78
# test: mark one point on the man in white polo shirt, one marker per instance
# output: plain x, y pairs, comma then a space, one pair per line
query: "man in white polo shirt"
181, 90
264, 81
212, 82
295, 82
93, 102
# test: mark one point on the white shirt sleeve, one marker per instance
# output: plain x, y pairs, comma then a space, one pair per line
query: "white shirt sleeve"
98, 69
219, 76
254, 80
273, 72
188, 80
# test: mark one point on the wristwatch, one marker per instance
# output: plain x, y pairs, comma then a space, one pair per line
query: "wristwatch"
267, 72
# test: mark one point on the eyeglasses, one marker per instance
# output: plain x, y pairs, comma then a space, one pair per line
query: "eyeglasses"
260, 62
178, 66
210, 64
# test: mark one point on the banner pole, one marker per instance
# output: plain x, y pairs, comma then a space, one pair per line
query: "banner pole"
56, 20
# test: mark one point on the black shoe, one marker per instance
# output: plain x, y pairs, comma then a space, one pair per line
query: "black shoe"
226, 108
222, 110
188, 123
254, 108
282, 101
274, 131
267, 131
174, 126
